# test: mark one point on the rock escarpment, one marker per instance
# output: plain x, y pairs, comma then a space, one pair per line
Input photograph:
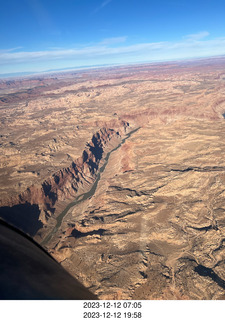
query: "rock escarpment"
155, 227
31, 209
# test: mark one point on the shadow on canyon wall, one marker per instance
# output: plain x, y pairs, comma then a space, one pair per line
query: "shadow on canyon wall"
77, 234
207, 272
23, 216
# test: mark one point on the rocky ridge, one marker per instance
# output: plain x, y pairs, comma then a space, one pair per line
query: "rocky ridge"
156, 233
43, 200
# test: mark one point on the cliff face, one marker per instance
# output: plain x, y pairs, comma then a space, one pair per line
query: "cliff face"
155, 227
31, 209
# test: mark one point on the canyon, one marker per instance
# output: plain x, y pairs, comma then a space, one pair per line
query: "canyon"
119, 173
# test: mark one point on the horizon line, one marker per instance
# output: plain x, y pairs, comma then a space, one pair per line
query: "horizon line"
28, 74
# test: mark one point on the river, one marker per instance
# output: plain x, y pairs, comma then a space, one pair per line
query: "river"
86, 195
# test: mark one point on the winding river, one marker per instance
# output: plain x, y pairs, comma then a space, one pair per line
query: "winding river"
86, 195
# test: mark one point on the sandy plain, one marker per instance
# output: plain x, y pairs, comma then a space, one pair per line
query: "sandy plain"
153, 226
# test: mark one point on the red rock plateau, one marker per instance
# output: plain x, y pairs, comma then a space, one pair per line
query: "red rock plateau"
120, 174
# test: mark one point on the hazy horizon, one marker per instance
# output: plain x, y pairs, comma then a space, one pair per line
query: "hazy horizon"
45, 35
81, 68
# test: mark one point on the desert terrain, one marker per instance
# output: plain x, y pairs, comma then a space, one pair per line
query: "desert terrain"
119, 173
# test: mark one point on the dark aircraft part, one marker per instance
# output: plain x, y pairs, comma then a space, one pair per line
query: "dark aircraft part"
28, 272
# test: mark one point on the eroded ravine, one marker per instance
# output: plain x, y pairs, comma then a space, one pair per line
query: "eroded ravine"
85, 195
35, 209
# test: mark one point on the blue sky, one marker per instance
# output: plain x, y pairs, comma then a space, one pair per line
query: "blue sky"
39, 35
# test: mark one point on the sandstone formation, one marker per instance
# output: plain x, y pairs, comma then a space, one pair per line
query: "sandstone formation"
120, 174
